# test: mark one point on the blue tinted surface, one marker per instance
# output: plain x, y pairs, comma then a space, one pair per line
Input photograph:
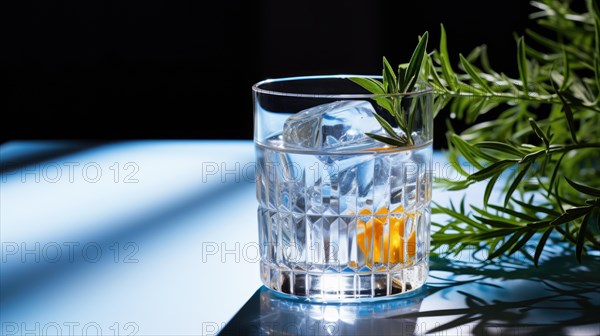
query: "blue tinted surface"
151, 237
160, 238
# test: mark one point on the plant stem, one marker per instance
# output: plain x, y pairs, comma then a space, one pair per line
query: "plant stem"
551, 99
573, 147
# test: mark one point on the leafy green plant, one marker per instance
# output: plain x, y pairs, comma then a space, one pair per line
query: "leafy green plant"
535, 138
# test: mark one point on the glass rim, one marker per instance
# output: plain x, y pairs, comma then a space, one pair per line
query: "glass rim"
257, 88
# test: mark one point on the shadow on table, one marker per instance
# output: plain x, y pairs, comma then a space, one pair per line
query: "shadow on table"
510, 297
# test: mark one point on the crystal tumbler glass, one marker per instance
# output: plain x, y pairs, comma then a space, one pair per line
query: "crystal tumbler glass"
343, 215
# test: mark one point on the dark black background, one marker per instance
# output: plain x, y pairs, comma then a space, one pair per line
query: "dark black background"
157, 69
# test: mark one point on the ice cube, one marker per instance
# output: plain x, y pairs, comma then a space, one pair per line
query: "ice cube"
337, 125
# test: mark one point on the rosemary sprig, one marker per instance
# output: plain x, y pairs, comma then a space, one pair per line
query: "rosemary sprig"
391, 91
539, 147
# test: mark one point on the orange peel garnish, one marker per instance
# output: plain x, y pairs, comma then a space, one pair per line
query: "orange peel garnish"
387, 247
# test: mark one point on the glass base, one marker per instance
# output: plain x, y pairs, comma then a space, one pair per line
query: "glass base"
344, 287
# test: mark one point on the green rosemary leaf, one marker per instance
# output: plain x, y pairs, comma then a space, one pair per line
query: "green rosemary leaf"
540, 56
386, 103
466, 150
375, 87
485, 61
493, 243
447, 71
569, 116
584, 188
436, 81
414, 66
413, 114
493, 233
501, 224
556, 46
489, 188
453, 157
398, 113
537, 208
541, 243
475, 110
522, 62
554, 173
513, 213
387, 127
539, 224
507, 245
501, 147
571, 215
516, 181
446, 237
454, 185
386, 140
491, 170
498, 216
470, 90
474, 73
581, 236
524, 239
532, 156
372, 85
538, 131
460, 216
389, 78
402, 75
566, 72
474, 54
557, 196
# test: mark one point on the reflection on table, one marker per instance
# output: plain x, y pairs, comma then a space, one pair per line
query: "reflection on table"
464, 295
